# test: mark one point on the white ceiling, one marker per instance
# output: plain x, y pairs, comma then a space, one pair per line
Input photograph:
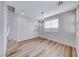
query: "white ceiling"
32, 9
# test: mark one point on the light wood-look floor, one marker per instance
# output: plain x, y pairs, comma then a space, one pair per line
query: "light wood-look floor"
41, 47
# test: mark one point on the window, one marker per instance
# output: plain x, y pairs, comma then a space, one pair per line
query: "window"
52, 24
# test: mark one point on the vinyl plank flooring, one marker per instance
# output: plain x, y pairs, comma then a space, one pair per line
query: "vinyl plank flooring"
41, 47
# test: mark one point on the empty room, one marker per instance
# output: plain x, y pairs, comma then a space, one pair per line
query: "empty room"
39, 28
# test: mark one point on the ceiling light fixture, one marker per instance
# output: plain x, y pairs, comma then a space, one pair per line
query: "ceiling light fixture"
42, 20
42, 15
59, 3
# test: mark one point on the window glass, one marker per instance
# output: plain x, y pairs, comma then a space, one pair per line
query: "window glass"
51, 24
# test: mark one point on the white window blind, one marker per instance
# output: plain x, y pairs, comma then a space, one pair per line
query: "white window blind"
52, 24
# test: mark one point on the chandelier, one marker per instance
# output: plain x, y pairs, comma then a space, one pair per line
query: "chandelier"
42, 20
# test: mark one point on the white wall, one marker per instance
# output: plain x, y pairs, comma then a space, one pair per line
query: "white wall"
66, 33
77, 31
12, 25
1, 29
21, 28
26, 28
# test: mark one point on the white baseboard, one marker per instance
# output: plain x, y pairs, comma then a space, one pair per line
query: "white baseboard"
27, 38
57, 41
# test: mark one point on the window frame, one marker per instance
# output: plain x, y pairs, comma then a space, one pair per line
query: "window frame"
52, 29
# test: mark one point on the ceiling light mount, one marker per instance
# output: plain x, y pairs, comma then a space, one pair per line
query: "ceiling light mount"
59, 3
